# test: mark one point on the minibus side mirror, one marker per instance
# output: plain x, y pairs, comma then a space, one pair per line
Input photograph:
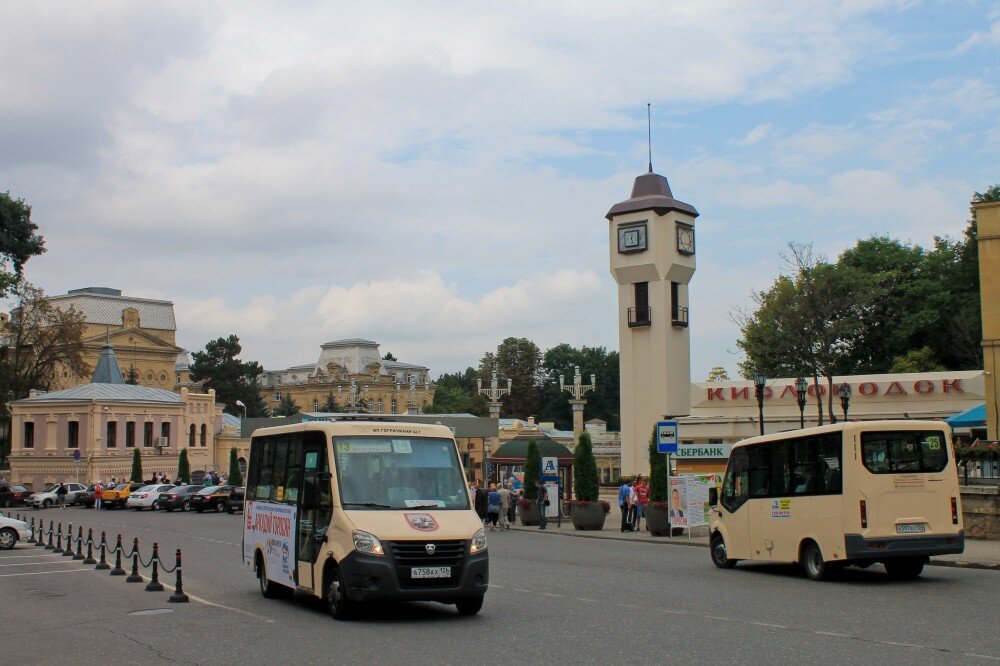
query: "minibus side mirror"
713, 497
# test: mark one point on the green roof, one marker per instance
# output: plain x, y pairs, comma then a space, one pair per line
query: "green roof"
518, 448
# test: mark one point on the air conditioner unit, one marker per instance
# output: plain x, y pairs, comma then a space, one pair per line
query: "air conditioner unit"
163, 442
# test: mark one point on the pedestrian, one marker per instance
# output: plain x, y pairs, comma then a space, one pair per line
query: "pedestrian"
224, 480
642, 494
98, 492
215, 479
542, 499
113, 482
633, 502
493, 507
623, 496
504, 507
472, 494
480, 502
208, 479
61, 495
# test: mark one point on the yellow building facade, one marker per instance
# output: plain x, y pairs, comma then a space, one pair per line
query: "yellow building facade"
988, 231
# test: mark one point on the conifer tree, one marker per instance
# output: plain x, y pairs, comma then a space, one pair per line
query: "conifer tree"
585, 470
183, 468
532, 470
235, 476
136, 466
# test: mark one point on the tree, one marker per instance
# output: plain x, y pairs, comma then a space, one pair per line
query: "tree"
602, 402
532, 470
455, 393
718, 374
183, 467
519, 360
287, 406
916, 360
330, 404
218, 368
389, 357
235, 477
18, 241
136, 476
659, 473
131, 375
585, 483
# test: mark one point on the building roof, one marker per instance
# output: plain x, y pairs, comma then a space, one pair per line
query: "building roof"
517, 448
350, 342
99, 392
102, 305
399, 365
106, 371
651, 192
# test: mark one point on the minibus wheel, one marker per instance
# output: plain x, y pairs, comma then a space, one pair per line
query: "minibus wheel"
812, 562
904, 568
341, 606
469, 605
719, 557
268, 588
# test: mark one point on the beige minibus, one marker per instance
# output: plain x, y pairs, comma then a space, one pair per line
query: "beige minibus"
357, 509
855, 493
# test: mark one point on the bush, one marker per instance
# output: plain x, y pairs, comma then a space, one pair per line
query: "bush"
183, 468
235, 478
136, 466
585, 470
532, 470
659, 473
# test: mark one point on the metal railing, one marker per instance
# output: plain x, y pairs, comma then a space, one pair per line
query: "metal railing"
640, 316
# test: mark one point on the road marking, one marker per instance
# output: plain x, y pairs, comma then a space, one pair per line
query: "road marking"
831, 633
499, 587
593, 601
7, 557
517, 589
765, 624
206, 602
549, 594
30, 564
42, 573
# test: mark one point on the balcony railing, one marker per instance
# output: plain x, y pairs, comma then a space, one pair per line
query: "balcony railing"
680, 316
639, 317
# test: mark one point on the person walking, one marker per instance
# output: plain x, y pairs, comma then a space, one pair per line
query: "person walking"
504, 507
633, 503
481, 502
208, 479
515, 495
98, 493
624, 492
542, 500
61, 495
493, 507
642, 499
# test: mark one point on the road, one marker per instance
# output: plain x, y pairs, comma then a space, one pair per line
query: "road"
554, 599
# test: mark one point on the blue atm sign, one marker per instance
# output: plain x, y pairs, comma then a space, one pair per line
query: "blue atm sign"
666, 437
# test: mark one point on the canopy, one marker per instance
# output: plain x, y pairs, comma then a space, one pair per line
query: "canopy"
973, 418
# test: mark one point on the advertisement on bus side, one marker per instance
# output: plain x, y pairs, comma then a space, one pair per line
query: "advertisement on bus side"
271, 527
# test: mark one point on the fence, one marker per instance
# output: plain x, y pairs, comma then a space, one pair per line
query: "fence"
984, 471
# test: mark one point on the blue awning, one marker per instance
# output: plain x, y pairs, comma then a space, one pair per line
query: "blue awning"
973, 418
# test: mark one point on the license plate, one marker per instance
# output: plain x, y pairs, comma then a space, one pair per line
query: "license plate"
430, 572
911, 528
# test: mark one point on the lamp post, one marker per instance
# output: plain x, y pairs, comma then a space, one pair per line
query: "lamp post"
493, 395
239, 403
759, 381
577, 389
844, 391
801, 388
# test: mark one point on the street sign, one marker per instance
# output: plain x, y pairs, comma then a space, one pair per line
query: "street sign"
550, 470
666, 437
76, 455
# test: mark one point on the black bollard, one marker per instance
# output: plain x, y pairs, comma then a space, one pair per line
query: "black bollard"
134, 577
103, 564
40, 541
49, 545
31, 539
69, 543
118, 571
59, 549
79, 544
154, 583
90, 548
178, 597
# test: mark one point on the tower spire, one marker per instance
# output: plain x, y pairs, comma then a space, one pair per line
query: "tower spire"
649, 135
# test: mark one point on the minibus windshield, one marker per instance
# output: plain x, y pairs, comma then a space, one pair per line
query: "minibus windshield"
389, 473
904, 451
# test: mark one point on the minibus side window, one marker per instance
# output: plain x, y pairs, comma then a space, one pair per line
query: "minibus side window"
760, 470
734, 488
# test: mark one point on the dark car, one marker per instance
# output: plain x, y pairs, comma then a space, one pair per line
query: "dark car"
212, 497
179, 498
235, 501
85, 497
13, 495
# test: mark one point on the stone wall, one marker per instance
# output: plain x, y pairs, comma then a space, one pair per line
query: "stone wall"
981, 512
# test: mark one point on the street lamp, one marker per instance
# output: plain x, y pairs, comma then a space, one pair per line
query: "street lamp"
239, 403
759, 380
844, 391
801, 387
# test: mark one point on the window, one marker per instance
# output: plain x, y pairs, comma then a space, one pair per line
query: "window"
147, 434
736, 484
394, 405
678, 312
191, 436
29, 434
111, 434
805, 466
640, 314
277, 395
315, 405
73, 435
165, 432
904, 451
379, 406
130, 434
204, 435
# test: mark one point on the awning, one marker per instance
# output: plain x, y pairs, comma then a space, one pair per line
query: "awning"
973, 418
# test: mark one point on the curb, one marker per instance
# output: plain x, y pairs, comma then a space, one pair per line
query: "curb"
965, 565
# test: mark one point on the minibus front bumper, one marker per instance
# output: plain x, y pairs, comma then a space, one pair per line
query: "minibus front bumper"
373, 578
857, 547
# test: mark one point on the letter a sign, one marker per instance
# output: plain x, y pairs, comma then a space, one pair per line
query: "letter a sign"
666, 437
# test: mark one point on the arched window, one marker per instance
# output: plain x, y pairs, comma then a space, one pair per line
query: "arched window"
191, 435
204, 435
315, 405
378, 406
394, 405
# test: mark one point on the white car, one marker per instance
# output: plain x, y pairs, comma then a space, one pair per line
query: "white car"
46, 498
147, 497
12, 531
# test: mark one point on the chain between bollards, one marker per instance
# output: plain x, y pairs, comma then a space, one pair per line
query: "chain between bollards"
103, 564
90, 548
118, 571
178, 597
135, 577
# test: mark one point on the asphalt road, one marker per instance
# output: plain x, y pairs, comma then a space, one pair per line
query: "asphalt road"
553, 599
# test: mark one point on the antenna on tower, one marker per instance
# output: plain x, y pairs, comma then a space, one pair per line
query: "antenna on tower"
649, 135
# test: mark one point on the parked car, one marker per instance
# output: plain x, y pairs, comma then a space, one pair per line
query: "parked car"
235, 501
15, 495
115, 498
85, 497
12, 531
47, 497
147, 497
212, 497
179, 497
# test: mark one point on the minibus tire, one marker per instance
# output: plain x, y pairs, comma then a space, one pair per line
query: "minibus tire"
904, 568
268, 588
812, 562
720, 559
470, 605
341, 606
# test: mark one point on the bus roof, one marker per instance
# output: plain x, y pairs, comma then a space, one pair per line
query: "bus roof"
887, 424
360, 425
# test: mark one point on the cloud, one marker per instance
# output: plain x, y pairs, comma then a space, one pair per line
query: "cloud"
756, 135
991, 38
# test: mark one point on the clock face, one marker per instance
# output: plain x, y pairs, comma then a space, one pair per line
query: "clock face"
685, 239
632, 238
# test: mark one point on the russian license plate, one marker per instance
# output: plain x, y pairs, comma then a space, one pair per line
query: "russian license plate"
911, 528
430, 572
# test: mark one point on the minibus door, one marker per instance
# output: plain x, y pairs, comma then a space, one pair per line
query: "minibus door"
734, 509
314, 508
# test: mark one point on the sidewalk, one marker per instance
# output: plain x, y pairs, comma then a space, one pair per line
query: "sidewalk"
979, 554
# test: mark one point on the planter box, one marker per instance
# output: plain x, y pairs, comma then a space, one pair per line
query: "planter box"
658, 520
528, 516
588, 516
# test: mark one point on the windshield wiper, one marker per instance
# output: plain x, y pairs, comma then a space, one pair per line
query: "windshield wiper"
425, 506
368, 505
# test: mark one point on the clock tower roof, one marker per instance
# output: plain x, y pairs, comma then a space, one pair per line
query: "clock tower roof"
651, 192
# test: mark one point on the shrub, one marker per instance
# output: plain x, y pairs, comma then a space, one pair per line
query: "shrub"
585, 470
136, 466
235, 477
183, 468
532, 470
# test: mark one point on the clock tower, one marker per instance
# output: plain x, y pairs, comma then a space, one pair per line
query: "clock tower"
652, 243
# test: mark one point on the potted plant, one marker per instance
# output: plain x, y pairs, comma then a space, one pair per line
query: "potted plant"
527, 507
587, 511
658, 509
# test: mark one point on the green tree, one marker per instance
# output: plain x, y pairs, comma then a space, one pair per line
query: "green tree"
235, 477
389, 357
18, 241
219, 368
131, 375
532, 470
183, 467
136, 476
287, 406
659, 473
455, 393
585, 484
602, 403
519, 360
330, 404
916, 360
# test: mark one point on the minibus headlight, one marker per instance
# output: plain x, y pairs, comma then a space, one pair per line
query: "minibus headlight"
367, 543
478, 543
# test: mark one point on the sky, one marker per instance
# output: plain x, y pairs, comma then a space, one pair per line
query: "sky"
434, 176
